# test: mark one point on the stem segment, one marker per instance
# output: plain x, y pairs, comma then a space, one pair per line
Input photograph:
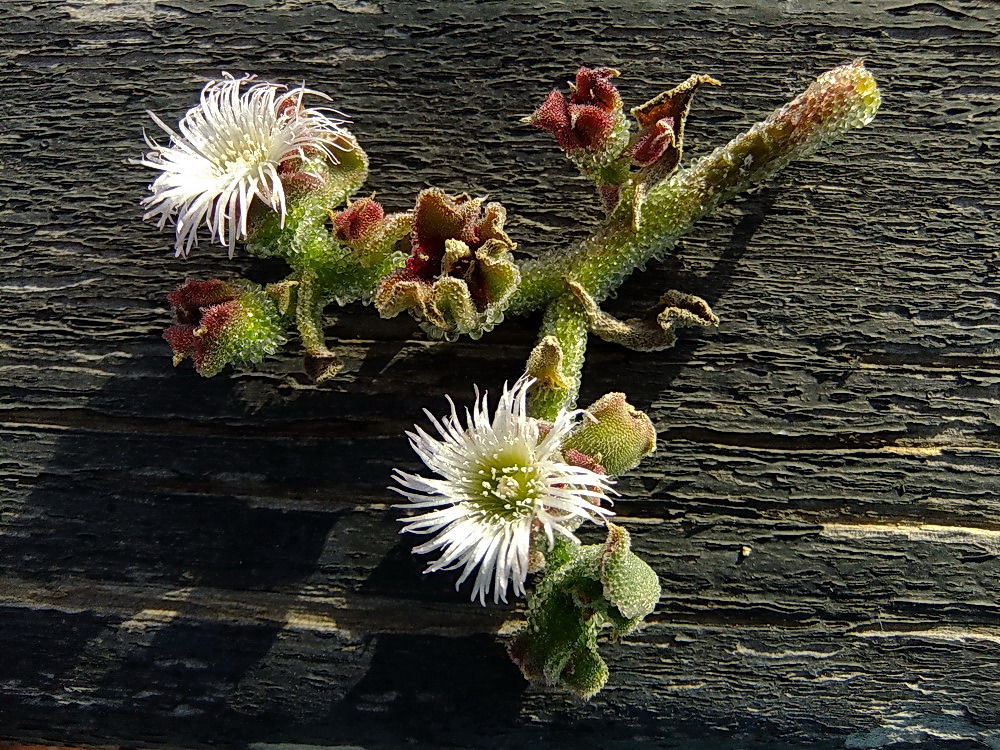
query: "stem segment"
839, 100
566, 320
321, 364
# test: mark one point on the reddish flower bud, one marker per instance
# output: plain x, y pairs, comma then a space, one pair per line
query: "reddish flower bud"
189, 299
593, 86
553, 116
219, 323
296, 184
586, 121
590, 127
577, 458
359, 221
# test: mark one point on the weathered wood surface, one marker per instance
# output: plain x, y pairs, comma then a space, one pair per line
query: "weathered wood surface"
188, 562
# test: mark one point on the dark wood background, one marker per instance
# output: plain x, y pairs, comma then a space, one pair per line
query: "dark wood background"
191, 562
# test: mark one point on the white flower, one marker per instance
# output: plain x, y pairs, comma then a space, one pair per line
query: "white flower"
499, 479
228, 151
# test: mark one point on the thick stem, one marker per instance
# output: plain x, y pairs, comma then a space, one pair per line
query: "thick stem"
321, 364
839, 100
309, 314
566, 320
339, 270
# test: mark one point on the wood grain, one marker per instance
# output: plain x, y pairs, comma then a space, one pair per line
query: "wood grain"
189, 562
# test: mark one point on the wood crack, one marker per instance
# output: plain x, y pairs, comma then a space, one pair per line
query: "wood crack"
85, 420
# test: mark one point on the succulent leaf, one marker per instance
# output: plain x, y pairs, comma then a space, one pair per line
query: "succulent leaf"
656, 329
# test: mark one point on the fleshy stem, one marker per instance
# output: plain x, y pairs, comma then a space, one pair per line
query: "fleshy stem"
320, 362
309, 313
839, 100
565, 319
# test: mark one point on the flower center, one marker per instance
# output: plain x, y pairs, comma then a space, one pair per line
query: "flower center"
505, 491
242, 156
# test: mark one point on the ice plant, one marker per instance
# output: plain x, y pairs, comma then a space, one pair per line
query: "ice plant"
231, 148
502, 483
509, 488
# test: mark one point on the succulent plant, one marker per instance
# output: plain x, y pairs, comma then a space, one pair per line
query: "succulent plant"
512, 486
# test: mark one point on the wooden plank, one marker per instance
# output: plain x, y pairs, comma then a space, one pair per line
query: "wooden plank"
185, 561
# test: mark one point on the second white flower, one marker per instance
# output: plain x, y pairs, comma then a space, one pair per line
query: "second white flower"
499, 479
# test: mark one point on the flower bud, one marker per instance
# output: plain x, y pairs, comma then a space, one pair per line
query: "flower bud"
372, 237
332, 176
545, 364
460, 274
577, 458
629, 583
618, 436
591, 128
658, 145
588, 119
358, 222
311, 184
220, 323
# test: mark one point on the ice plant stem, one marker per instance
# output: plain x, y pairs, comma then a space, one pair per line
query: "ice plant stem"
839, 100
309, 314
566, 320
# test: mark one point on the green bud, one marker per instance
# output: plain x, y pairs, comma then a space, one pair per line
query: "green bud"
618, 435
629, 583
